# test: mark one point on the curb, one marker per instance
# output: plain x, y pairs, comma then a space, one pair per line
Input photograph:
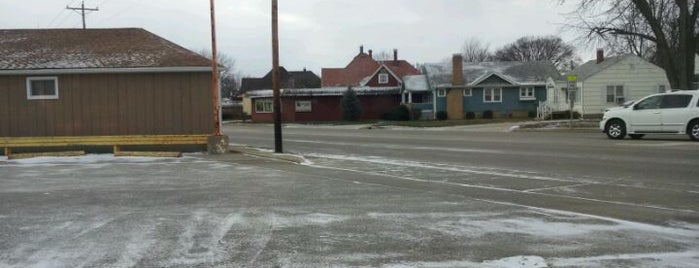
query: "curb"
562, 130
265, 154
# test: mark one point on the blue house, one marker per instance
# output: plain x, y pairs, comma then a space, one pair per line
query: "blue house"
507, 89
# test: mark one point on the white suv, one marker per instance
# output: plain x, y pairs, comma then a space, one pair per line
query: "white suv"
666, 113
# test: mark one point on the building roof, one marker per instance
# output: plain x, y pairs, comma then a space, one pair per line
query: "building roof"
591, 67
325, 91
416, 83
514, 72
294, 79
91, 49
362, 66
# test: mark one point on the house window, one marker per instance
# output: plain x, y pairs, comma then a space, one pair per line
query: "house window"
383, 78
42, 88
303, 106
492, 95
467, 92
662, 89
526, 93
615, 94
264, 106
441, 92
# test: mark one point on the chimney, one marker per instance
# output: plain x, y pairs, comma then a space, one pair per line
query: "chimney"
361, 49
395, 54
304, 69
371, 54
457, 70
600, 56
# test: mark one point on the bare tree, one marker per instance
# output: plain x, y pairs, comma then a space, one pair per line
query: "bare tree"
474, 50
548, 48
383, 56
227, 73
663, 31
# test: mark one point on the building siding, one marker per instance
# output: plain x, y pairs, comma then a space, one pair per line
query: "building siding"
639, 78
110, 104
511, 103
374, 80
474, 103
328, 108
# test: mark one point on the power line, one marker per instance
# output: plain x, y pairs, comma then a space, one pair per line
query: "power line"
82, 11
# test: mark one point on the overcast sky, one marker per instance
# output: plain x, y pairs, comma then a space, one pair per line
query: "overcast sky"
313, 33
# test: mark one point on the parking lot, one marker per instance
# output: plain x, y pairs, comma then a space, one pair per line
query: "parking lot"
335, 209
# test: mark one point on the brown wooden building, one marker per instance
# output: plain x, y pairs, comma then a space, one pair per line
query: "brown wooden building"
101, 82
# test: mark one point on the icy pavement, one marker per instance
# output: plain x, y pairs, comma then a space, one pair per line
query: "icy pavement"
233, 211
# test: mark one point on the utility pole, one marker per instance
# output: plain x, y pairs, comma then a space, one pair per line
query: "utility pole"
214, 77
82, 11
275, 80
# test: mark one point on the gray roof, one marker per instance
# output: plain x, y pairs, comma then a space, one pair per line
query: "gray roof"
518, 73
416, 83
592, 67
325, 91
91, 48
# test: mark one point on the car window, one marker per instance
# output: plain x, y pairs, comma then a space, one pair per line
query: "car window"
675, 101
649, 103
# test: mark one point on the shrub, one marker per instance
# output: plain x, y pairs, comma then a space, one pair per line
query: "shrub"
416, 114
488, 114
565, 115
470, 115
351, 108
399, 113
441, 115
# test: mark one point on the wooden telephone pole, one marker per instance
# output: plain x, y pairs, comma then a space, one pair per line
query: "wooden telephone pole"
82, 11
275, 80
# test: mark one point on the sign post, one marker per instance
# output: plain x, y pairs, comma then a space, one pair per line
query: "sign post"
572, 94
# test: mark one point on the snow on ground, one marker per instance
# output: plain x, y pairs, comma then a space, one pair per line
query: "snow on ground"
46, 161
509, 262
209, 230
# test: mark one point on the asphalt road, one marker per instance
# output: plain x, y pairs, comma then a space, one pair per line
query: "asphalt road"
654, 180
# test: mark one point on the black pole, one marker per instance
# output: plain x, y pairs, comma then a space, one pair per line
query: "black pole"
275, 80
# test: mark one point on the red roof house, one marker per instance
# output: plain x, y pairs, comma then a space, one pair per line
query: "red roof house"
364, 70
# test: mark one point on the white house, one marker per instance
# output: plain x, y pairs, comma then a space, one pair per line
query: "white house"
608, 82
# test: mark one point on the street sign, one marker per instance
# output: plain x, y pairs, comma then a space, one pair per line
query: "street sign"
572, 78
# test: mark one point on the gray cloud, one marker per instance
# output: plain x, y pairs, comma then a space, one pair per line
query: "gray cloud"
314, 33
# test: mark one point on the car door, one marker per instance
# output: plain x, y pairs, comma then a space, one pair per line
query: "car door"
646, 116
675, 112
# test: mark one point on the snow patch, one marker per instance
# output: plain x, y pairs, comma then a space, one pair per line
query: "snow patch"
80, 160
509, 262
308, 219
519, 261
653, 259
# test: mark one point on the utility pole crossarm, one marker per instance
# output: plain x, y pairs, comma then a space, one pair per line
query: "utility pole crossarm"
82, 10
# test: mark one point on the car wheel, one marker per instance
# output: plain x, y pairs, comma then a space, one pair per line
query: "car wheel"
636, 136
616, 129
693, 130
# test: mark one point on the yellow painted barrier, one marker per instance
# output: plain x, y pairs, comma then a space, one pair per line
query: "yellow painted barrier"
115, 141
56, 154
